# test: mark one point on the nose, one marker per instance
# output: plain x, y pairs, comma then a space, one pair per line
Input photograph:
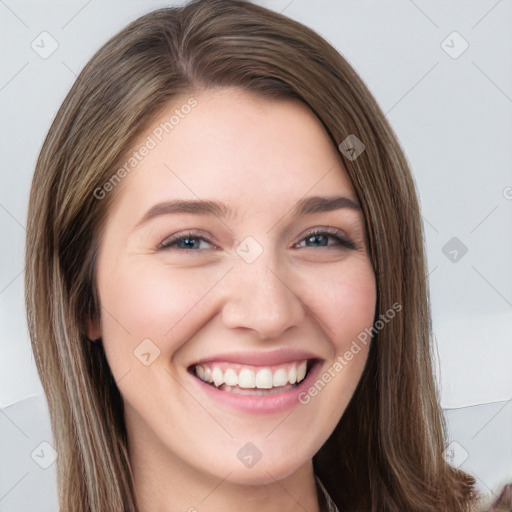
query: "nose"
261, 298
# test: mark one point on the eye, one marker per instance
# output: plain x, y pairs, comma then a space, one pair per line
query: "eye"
184, 241
321, 236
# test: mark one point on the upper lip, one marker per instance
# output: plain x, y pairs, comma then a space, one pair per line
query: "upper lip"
261, 358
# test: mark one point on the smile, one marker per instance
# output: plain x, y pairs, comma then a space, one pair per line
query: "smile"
256, 382
248, 379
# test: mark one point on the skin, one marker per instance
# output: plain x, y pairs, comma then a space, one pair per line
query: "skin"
259, 157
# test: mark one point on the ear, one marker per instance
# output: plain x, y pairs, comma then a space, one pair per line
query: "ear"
93, 329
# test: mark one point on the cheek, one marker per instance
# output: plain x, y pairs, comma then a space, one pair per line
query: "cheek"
345, 307
346, 302
142, 301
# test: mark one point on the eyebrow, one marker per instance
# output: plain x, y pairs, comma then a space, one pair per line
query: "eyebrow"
305, 206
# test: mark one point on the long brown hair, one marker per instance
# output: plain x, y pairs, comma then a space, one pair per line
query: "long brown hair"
386, 452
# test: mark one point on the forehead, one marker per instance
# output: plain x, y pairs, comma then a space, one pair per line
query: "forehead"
244, 149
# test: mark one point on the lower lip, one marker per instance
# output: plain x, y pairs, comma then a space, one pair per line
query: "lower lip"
260, 404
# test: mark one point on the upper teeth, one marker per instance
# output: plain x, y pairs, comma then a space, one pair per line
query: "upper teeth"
250, 377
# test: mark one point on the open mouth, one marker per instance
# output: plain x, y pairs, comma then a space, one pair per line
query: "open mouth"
253, 380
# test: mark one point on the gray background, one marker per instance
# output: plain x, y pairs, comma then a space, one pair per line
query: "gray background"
451, 109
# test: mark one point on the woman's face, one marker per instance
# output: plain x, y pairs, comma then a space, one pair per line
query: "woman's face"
250, 298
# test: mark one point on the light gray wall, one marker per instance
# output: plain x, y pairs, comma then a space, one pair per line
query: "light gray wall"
451, 110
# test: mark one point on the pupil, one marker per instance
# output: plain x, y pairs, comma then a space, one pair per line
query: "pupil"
322, 238
188, 242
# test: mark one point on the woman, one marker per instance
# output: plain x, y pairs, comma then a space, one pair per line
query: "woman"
226, 285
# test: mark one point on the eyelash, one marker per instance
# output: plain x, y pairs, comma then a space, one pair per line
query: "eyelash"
331, 232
